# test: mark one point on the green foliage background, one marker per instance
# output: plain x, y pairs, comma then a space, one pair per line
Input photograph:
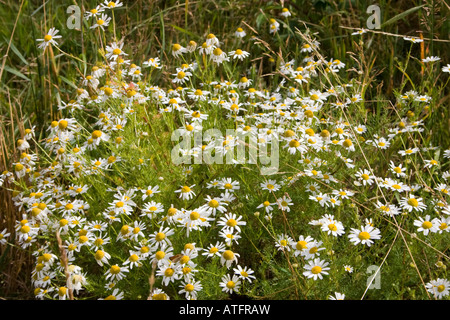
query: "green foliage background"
31, 87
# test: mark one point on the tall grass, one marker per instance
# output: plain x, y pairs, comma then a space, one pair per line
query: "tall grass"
32, 83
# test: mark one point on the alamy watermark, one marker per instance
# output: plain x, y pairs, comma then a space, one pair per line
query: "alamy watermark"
374, 280
374, 20
233, 147
74, 20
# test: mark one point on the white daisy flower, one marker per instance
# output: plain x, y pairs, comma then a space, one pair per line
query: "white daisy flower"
49, 38
425, 225
316, 269
365, 235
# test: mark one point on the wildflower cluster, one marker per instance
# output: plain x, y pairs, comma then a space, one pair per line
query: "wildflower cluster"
124, 214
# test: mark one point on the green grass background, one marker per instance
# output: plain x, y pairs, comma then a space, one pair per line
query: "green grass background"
32, 84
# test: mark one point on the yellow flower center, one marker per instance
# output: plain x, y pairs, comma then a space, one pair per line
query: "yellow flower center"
176, 47
217, 51
171, 211
231, 223
194, 215
184, 259
35, 212
99, 255
289, 133
427, 225
18, 167
159, 296
213, 250
294, 143
108, 91
96, 134
160, 236
301, 245
130, 93
114, 269
309, 113
413, 202
228, 255
228, 186
189, 287
134, 258
347, 143
169, 272
124, 230
62, 124
313, 250
186, 270
213, 203
364, 236
316, 270
119, 204
160, 255
62, 291
46, 257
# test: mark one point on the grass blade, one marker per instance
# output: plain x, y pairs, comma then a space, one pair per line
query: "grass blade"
17, 52
16, 72
401, 16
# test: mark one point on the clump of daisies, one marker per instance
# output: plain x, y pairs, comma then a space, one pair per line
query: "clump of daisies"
114, 232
